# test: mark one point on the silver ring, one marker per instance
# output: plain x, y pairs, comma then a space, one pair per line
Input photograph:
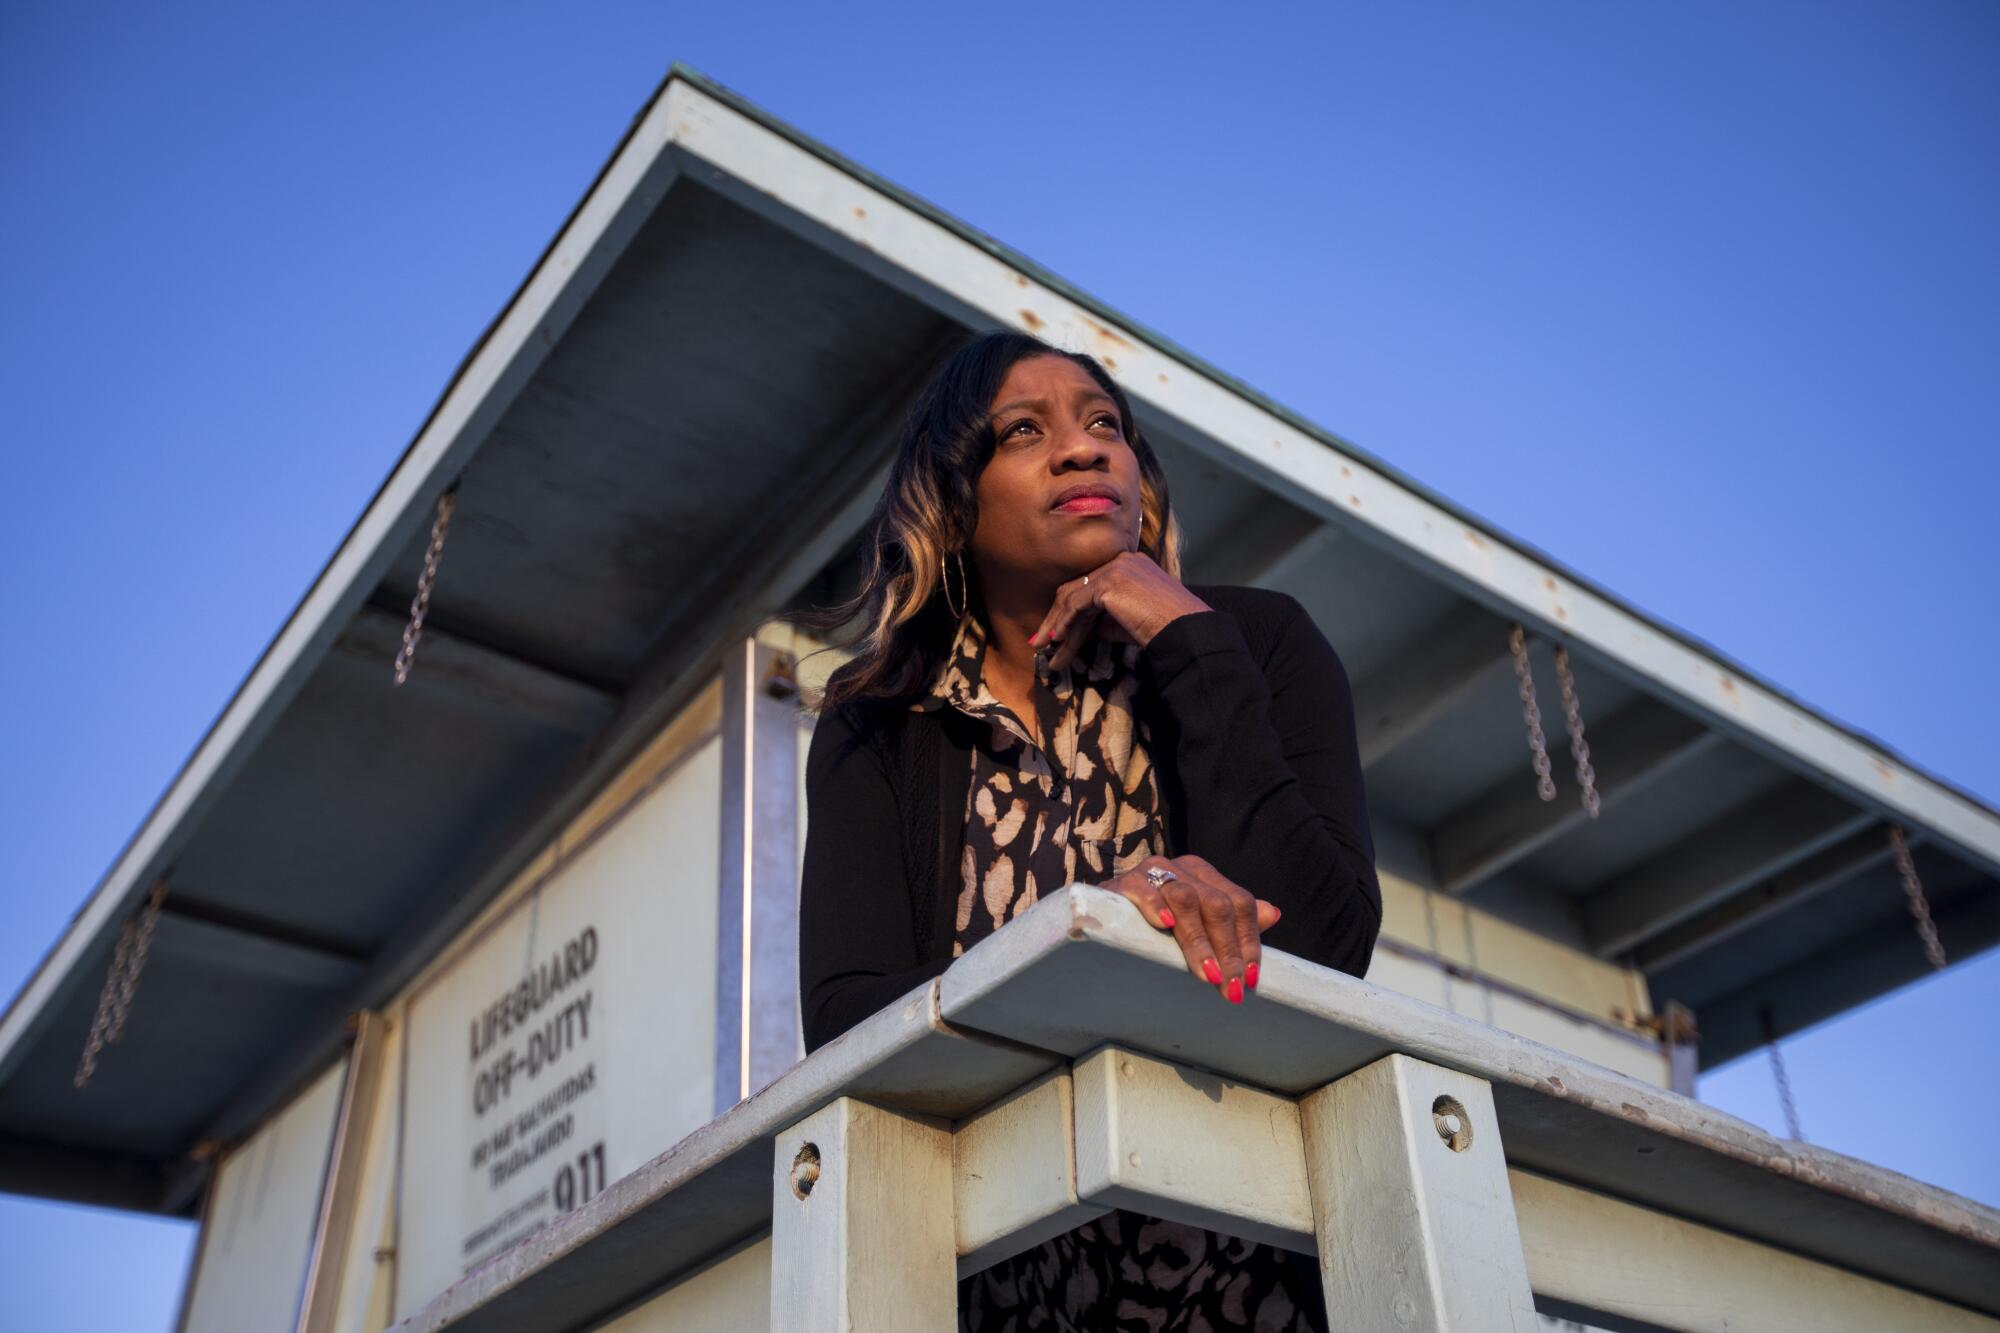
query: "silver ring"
1156, 876
1086, 580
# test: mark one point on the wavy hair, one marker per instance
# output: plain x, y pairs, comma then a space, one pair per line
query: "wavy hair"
927, 513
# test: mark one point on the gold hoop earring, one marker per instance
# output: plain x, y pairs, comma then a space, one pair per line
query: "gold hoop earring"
944, 579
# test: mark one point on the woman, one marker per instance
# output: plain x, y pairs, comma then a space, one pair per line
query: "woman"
1036, 699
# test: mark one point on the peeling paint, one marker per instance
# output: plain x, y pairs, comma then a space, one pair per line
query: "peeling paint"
860, 212
1030, 318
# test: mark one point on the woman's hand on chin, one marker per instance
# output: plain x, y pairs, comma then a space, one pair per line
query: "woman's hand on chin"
1127, 599
1215, 920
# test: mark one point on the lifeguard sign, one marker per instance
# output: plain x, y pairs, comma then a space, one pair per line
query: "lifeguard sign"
579, 1043
459, 1000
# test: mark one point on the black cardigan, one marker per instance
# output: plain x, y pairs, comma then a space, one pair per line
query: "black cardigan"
1253, 738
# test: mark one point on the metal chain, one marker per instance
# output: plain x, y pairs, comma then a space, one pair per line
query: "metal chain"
1792, 1130
86, 1067
121, 983
420, 605
128, 986
1920, 907
1586, 776
1517, 639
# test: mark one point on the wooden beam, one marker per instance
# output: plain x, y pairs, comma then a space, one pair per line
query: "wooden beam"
218, 941
1437, 670
1792, 887
45, 1169
1281, 543
1594, 1254
1756, 841
1171, 1141
1510, 822
453, 658
1293, 565
1014, 1174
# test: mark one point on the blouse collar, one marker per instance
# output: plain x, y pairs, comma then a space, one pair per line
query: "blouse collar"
961, 682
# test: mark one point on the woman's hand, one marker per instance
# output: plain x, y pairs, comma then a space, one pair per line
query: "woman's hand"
1215, 920
1128, 599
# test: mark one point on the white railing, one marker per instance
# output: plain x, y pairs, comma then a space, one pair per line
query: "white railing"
1451, 1176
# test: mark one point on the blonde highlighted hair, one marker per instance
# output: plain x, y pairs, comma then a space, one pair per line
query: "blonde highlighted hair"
927, 513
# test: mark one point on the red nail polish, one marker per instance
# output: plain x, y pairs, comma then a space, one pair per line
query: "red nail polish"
1211, 971
1166, 918
1235, 991
1250, 976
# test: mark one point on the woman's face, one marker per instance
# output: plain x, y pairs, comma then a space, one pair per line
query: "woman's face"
1060, 496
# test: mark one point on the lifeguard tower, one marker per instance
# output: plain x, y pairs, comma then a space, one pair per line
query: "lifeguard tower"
451, 983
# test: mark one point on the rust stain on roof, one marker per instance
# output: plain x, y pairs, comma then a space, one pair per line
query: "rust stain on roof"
1102, 332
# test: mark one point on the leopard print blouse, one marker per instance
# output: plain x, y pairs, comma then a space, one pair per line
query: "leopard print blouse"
1085, 810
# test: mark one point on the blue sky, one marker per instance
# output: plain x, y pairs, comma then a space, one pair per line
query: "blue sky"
1698, 298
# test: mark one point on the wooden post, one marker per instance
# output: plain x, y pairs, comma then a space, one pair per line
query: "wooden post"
1411, 1204
340, 1196
862, 1231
